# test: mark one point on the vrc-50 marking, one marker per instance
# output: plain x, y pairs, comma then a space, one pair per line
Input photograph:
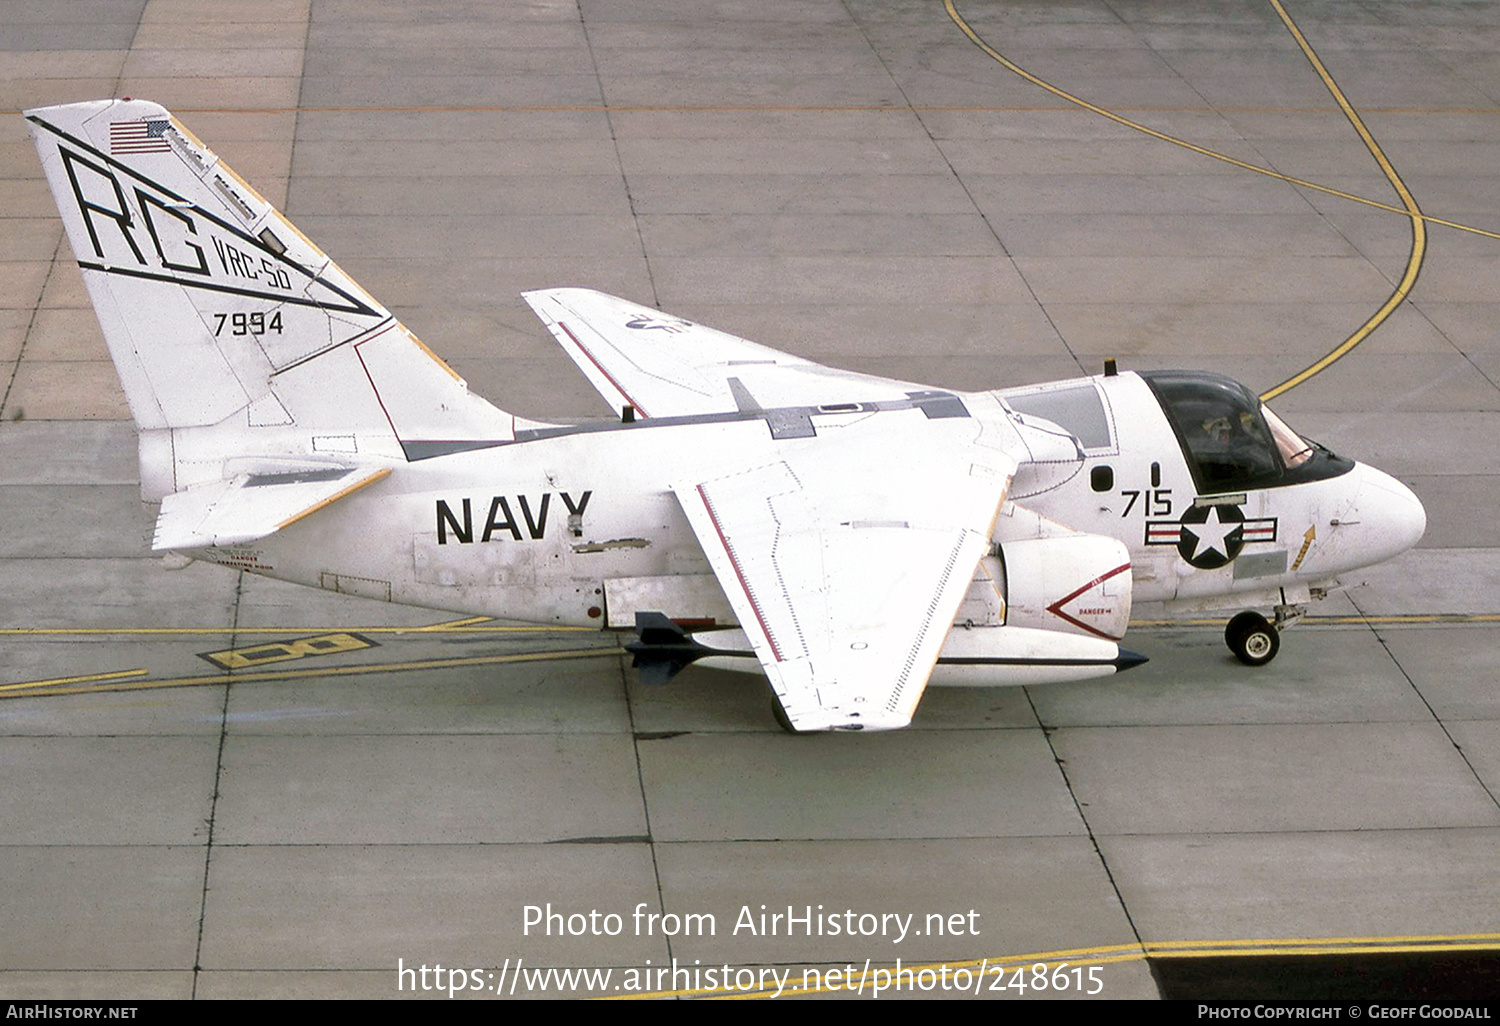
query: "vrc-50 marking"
855, 538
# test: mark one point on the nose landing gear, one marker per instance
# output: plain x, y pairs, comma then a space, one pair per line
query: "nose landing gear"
1253, 639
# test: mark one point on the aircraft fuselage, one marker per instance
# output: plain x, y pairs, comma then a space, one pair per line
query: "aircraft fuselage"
560, 523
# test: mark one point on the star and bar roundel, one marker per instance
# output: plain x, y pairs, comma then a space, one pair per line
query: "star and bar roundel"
1211, 536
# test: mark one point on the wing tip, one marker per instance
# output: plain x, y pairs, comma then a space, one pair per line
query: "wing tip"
837, 722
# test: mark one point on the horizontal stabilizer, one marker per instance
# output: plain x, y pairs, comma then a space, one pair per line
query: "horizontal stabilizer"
251, 506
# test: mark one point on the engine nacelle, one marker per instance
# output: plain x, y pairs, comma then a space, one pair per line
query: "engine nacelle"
1079, 583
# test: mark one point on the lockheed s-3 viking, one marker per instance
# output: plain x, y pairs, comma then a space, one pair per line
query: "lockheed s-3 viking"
854, 538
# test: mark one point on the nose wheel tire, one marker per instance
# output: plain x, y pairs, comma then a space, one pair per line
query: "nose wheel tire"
1252, 638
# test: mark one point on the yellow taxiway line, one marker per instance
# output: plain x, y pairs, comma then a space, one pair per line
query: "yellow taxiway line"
1408, 209
469, 626
123, 680
88, 678
1338, 620
104, 683
1115, 953
755, 108
1418, 224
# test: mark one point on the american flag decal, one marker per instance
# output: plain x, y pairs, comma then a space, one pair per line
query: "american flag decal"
139, 136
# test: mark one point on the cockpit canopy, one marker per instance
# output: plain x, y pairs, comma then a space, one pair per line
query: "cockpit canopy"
1232, 441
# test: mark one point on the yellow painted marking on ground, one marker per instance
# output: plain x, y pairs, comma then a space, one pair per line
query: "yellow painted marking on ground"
1325, 945
1392, 620
1418, 225
281, 651
86, 678
467, 621
1023, 963
865, 977
467, 626
690, 108
1374, 949
327, 671
1408, 209
1117, 953
455, 628
1163, 136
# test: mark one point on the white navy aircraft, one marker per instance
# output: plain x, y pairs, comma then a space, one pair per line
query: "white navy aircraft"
854, 538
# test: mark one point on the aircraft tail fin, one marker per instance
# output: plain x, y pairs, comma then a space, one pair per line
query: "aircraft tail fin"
218, 312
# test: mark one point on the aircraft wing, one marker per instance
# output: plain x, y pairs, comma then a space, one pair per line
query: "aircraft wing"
845, 559
664, 366
251, 506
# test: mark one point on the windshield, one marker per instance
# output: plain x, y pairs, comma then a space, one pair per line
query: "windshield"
1232, 441
1294, 451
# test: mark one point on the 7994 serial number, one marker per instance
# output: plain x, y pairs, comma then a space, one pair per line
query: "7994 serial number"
247, 323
